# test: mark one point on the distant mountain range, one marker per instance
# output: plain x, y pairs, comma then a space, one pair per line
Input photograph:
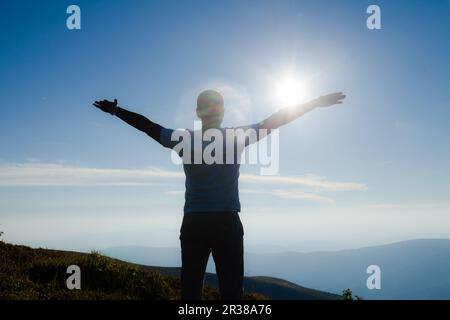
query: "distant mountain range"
415, 269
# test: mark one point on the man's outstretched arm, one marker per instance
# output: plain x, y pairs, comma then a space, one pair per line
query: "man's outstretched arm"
133, 119
287, 115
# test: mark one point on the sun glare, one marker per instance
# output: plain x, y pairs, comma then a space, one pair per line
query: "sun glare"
290, 91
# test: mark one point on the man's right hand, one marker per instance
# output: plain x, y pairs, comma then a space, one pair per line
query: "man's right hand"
107, 106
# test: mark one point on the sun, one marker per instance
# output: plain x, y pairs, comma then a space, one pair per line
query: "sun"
290, 91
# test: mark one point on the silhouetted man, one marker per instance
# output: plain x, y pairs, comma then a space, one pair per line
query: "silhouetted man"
211, 222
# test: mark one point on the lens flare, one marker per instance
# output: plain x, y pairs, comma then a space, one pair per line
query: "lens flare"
290, 91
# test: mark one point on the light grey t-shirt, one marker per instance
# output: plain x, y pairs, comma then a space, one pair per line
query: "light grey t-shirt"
210, 187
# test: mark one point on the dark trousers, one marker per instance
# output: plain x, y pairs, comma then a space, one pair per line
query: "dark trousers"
222, 234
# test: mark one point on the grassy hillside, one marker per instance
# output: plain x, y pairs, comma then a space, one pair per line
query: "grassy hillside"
27, 273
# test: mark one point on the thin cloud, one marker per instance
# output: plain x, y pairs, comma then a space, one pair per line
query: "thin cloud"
291, 194
309, 180
47, 174
41, 175
175, 192
296, 194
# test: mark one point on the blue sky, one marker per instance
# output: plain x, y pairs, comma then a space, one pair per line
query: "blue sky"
389, 138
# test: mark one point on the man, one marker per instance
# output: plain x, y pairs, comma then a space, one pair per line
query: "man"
211, 222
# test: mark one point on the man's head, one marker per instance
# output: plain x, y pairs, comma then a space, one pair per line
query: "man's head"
210, 108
